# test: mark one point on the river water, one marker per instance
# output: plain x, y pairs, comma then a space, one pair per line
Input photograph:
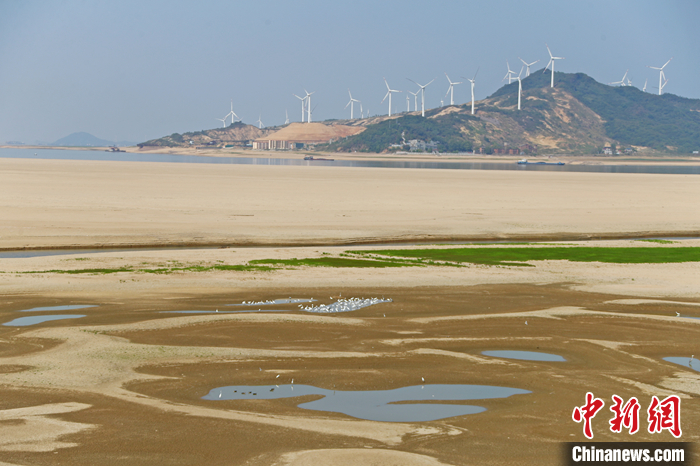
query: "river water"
437, 164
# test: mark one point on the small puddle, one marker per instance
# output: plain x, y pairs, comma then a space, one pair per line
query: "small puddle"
69, 307
524, 355
33, 320
376, 405
274, 301
691, 363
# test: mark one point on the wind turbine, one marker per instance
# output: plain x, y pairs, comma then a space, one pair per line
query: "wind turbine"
415, 100
286, 115
509, 74
223, 121
422, 94
232, 114
308, 105
551, 62
622, 81
528, 65
303, 103
472, 81
645, 85
351, 104
520, 87
451, 89
388, 94
259, 122
661, 74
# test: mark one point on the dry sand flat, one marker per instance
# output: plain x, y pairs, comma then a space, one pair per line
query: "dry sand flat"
53, 203
123, 385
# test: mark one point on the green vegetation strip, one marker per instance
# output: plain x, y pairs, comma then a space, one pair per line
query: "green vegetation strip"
337, 262
162, 270
518, 256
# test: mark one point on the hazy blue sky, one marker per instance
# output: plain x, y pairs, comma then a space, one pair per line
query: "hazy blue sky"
136, 70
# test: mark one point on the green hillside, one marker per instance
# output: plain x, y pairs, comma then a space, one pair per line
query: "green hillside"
632, 117
578, 115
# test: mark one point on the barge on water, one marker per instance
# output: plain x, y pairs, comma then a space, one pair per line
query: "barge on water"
526, 162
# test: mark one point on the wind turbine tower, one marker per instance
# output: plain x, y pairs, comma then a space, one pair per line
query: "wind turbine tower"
451, 89
551, 62
232, 114
303, 106
528, 65
520, 87
662, 76
472, 81
308, 105
286, 117
351, 103
422, 94
388, 94
415, 100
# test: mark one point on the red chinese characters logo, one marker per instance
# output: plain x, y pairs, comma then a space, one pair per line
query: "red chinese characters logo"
662, 415
587, 412
665, 415
625, 416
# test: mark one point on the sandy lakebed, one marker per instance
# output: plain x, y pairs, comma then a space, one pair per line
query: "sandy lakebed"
124, 383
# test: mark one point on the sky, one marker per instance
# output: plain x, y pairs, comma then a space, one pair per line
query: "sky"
129, 70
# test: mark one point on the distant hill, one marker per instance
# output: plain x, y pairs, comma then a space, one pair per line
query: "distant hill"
578, 116
83, 139
237, 133
632, 117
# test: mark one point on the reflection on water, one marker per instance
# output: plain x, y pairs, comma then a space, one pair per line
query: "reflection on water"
692, 363
524, 355
376, 405
33, 320
68, 307
437, 164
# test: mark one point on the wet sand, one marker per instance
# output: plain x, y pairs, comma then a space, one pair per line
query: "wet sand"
123, 385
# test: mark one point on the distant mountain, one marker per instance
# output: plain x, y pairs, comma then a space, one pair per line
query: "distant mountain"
630, 116
83, 139
579, 115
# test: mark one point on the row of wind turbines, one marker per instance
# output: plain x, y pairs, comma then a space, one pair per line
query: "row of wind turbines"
307, 110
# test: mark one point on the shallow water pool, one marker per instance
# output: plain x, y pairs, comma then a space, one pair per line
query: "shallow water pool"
376, 405
33, 320
524, 355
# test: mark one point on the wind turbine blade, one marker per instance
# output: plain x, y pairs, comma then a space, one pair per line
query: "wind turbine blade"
545, 68
414, 82
669, 61
347, 105
387, 95
430, 82
477, 72
550, 52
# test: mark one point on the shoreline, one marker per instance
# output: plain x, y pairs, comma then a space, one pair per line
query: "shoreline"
571, 159
417, 241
